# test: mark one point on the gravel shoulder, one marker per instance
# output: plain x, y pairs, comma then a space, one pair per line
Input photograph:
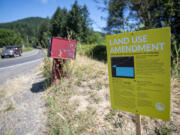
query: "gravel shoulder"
22, 107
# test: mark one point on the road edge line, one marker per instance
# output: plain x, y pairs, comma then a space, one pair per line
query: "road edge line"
21, 64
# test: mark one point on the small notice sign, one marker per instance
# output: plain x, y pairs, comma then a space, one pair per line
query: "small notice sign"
62, 48
139, 72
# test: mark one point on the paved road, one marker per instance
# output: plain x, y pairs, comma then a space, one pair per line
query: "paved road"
12, 67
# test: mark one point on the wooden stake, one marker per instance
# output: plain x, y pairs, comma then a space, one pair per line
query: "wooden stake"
138, 124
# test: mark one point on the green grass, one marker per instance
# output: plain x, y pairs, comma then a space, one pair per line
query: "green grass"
166, 129
85, 49
28, 49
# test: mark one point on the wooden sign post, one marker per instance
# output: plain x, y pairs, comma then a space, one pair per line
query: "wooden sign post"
138, 124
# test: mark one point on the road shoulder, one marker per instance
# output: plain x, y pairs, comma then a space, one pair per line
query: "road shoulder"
22, 107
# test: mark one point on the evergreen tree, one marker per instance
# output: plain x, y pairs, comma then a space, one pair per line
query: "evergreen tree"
79, 22
115, 21
75, 21
44, 33
59, 23
85, 24
148, 14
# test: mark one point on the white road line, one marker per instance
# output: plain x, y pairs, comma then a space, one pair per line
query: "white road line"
21, 64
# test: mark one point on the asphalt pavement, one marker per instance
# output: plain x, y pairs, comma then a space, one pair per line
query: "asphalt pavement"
13, 67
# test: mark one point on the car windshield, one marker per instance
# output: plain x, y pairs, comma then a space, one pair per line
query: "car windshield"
9, 47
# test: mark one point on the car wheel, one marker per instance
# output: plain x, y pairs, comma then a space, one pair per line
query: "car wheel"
2, 57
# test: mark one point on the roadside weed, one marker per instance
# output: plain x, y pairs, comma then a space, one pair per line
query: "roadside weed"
10, 108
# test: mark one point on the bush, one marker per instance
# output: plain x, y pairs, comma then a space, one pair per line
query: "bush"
97, 52
9, 37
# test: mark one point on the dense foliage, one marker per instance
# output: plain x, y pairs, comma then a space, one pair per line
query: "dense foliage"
9, 37
43, 34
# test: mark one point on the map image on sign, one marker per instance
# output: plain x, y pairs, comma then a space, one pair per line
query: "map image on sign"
122, 67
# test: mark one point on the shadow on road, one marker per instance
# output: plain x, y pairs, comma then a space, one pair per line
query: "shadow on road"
38, 87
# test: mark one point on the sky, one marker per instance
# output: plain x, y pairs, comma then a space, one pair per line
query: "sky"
12, 10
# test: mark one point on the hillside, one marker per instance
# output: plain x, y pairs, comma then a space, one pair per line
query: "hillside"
27, 27
79, 104
33, 21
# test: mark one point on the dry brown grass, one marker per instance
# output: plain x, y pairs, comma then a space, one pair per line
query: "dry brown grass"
15, 86
80, 105
12, 86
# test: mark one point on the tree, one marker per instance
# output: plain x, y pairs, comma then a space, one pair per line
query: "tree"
96, 37
44, 33
73, 24
115, 21
59, 23
10, 37
160, 13
147, 13
75, 21
86, 22
150, 13
79, 22
27, 27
